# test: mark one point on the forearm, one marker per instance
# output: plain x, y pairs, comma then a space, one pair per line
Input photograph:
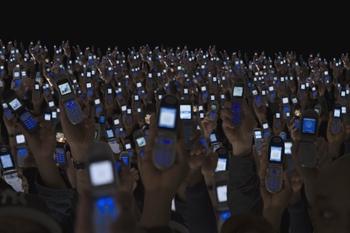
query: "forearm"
334, 148
274, 217
11, 138
81, 176
209, 181
156, 211
50, 174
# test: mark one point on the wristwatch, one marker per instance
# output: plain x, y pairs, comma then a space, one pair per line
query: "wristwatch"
79, 166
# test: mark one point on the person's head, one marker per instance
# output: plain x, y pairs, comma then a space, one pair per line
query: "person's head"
331, 208
244, 223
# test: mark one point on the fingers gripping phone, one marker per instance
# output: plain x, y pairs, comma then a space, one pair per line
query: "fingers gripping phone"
258, 137
220, 179
6, 110
238, 93
283, 135
274, 171
21, 147
25, 117
112, 139
60, 150
308, 134
213, 110
214, 140
140, 142
16, 78
164, 153
186, 115
9, 170
103, 185
336, 122
68, 98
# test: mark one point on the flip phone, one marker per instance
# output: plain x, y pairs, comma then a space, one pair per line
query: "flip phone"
238, 93
68, 98
6, 110
25, 117
98, 107
21, 147
16, 78
283, 135
308, 134
9, 170
60, 150
220, 179
112, 139
140, 142
336, 122
127, 146
266, 131
128, 115
36, 91
302, 93
47, 114
214, 140
285, 105
164, 153
297, 114
186, 114
256, 97
258, 136
278, 122
103, 182
204, 93
318, 109
282, 84
274, 171
213, 110
125, 157
136, 101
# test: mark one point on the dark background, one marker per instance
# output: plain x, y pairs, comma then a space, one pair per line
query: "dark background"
231, 26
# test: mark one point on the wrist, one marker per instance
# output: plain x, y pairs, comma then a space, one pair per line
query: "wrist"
78, 154
273, 215
242, 151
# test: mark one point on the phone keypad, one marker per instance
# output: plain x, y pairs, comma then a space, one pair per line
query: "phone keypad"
297, 123
274, 179
73, 112
146, 134
336, 127
21, 155
236, 114
307, 154
212, 116
60, 157
163, 154
109, 99
28, 122
105, 214
188, 132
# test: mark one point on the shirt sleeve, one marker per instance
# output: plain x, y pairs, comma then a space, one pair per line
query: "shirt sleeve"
59, 202
201, 215
243, 187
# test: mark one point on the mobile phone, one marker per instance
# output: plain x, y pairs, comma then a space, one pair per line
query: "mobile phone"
238, 95
102, 119
140, 142
60, 150
36, 91
68, 98
164, 154
220, 179
204, 93
9, 169
97, 132
6, 110
98, 107
112, 139
186, 115
47, 114
278, 122
297, 114
256, 97
274, 171
16, 78
308, 135
127, 146
285, 105
336, 122
223, 160
214, 140
103, 185
266, 131
125, 157
21, 147
21, 112
258, 136
318, 109
213, 110
50, 102
129, 115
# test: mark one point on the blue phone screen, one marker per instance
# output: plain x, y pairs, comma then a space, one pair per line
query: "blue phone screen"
102, 119
125, 160
309, 125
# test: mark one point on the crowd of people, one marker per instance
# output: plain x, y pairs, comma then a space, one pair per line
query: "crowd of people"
216, 176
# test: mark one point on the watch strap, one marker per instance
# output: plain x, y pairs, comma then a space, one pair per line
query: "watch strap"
79, 166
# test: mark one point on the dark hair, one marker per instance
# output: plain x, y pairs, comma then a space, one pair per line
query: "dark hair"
242, 223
